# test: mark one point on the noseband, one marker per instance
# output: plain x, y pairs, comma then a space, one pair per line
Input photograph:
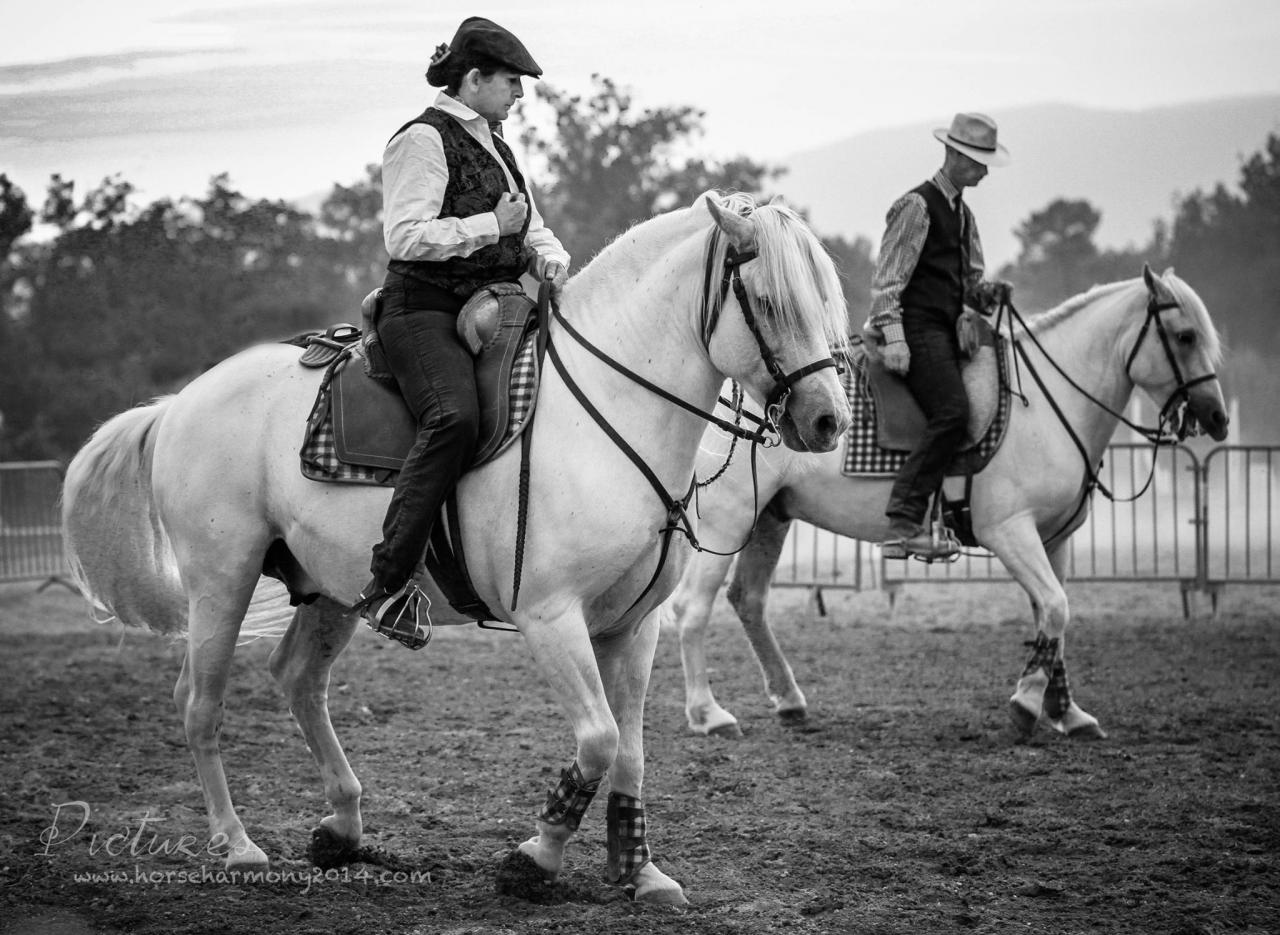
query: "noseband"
730, 277
1180, 395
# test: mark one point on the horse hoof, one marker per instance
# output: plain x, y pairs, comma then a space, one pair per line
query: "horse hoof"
520, 876
661, 896
1024, 722
248, 857
655, 888
730, 731
1087, 732
328, 851
793, 717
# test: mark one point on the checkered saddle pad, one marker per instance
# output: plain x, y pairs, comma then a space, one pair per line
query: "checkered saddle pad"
866, 454
360, 429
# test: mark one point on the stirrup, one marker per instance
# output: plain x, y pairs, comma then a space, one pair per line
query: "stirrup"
401, 615
938, 544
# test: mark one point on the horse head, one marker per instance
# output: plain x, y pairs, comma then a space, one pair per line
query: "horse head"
1174, 355
788, 313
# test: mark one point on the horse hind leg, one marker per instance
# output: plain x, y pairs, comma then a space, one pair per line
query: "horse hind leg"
301, 664
749, 595
215, 615
690, 610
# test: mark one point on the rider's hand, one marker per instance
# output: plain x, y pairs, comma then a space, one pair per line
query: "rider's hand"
510, 210
897, 358
546, 269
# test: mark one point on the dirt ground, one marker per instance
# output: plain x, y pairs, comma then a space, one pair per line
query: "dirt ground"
903, 805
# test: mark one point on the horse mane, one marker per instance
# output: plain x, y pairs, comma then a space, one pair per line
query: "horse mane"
796, 272
1185, 295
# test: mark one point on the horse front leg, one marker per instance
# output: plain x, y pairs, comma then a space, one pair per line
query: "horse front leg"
301, 664
562, 651
749, 596
625, 665
690, 608
1043, 688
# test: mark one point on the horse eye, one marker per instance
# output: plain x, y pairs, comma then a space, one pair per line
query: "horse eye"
1187, 339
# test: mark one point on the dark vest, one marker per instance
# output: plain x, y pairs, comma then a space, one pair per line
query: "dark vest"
938, 280
475, 184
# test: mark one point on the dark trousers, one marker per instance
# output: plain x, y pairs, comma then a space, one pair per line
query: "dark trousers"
935, 382
436, 374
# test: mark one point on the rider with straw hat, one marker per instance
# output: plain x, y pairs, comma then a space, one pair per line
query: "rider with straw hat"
929, 274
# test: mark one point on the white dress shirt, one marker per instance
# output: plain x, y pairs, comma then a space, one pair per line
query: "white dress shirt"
414, 176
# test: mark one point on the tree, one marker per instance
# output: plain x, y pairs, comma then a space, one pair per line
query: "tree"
1228, 245
15, 216
608, 167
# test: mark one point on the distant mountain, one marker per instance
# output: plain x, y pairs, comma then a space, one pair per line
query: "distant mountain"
1130, 165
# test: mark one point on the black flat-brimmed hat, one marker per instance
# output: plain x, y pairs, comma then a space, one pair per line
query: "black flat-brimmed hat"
478, 35
975, 136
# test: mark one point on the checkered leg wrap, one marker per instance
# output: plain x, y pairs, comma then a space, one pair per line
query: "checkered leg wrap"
1045, 655
628, 850
567, 803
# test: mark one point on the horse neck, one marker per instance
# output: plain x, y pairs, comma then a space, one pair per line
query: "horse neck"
638, 302
1090, 344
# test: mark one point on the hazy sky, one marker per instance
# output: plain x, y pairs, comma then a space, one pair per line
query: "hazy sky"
290, 96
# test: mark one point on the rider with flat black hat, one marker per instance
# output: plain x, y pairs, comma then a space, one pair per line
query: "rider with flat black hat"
457, 215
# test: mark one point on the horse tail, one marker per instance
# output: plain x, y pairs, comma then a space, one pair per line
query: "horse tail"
116, 547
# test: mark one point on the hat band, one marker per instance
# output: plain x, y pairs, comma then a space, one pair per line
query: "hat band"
979, 146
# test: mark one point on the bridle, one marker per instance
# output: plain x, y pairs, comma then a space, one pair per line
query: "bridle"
766, 433
730, 277
1180, 397
1157, 436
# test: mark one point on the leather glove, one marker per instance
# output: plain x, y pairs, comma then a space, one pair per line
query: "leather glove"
897, 357
967, 332
1001, 292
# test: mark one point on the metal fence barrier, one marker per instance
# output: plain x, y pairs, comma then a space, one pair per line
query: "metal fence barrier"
30, 524
1202, 524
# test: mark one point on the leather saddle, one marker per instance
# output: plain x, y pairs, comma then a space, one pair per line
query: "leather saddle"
899, 420
372, 429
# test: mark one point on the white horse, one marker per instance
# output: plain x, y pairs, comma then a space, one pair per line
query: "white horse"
170, 509
1153, 333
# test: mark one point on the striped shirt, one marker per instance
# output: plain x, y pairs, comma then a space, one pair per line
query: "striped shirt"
907, 224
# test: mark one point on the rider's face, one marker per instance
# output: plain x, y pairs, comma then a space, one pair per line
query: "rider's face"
492, 97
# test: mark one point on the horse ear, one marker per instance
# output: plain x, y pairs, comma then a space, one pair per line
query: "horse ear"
1148, 277
740, 231
1155, 285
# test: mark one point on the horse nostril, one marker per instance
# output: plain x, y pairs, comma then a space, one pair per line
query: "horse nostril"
825, 426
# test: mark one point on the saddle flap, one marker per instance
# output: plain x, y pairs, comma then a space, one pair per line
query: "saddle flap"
900, 422
372, 426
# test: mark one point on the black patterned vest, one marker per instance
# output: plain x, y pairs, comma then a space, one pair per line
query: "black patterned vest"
938, 280
475, 184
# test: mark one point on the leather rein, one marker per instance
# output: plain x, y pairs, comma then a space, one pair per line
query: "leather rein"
765, 434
